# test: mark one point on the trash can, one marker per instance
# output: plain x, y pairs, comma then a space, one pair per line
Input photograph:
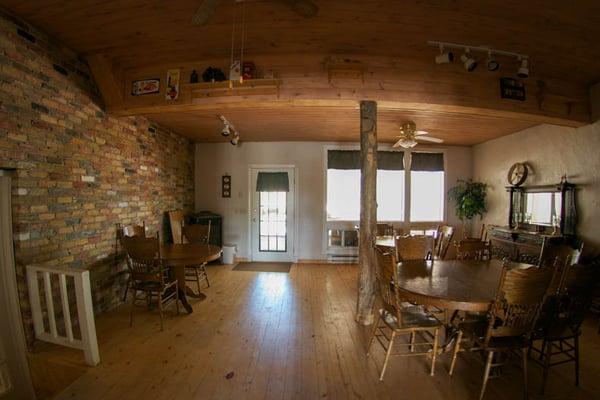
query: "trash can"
229, 251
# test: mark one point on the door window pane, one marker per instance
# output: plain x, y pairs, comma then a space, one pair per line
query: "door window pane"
273, 221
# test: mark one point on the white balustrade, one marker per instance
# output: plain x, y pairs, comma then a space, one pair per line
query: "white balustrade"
85, 312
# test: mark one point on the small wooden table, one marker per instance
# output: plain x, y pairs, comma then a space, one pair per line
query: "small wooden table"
180, 255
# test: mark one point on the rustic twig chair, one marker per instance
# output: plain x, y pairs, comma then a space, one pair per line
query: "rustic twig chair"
196, 233
559, 329
149, 275
395, 320
445, 233
414, 247
510, 321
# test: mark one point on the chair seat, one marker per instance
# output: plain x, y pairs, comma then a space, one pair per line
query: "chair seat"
411, 318
476, 329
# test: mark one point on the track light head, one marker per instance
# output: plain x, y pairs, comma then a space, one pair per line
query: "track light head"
235, 140
492, 63
226, 131
468, 61
523, 71
444, 57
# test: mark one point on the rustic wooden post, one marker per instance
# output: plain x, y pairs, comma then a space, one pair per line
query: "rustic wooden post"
368, 211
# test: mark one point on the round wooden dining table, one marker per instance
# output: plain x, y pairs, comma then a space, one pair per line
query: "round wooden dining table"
465, 285
177, 256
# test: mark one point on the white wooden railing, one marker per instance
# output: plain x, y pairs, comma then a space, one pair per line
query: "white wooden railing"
85, 312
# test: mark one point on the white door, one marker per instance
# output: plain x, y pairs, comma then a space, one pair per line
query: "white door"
272, 216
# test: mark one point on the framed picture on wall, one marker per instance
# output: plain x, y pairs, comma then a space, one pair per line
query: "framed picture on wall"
513, 89
226, 186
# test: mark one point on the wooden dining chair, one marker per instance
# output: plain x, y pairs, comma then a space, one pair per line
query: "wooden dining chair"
176, 222
557, 333
444, 236
130, 231
472, 249
149, 275
414, 247
563, 252
396, 320
509, 324
384, 229
200, 234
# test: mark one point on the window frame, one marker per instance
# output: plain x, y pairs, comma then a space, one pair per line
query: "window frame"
407, 224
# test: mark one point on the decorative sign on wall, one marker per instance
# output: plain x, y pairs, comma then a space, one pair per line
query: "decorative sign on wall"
145, 86
226, 186
173, 76
513, 89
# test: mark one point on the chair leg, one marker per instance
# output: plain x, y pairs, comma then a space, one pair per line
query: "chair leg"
412, 342
486, 373
160, 310
548, 348
435, 350
132, 307
387, 356
177, 297
127, 289
372, 335
455, 352
576, 350
206, 275
525, 356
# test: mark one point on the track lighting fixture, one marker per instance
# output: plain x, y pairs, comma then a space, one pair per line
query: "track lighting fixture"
492, 63
225, 132
229, 129
468, 61
523, 71
444, 57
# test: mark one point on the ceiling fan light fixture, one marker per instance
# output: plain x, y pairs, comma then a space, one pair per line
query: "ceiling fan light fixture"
523, 71
407, 143
468, 61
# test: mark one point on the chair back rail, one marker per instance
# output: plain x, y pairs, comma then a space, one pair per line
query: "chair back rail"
88, 342
471, 249
445, 233
197, 233
520, 295
386, 274
414, 247
134, 230
564, 253
143, 259
176, 218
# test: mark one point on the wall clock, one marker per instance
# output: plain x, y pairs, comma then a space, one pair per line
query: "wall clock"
517, 174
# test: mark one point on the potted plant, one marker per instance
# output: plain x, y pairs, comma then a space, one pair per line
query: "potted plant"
469, 198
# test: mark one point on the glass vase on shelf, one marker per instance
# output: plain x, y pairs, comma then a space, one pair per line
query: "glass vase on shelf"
555, 224
516, 220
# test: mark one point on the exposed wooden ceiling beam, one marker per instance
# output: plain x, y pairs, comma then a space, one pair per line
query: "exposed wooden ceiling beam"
109, 81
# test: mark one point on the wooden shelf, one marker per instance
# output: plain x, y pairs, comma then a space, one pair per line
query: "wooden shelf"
235, 88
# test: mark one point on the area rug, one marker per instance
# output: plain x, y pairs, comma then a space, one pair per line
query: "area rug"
264, 266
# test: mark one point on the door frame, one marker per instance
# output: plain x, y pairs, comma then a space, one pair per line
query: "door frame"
294, 243
13, 331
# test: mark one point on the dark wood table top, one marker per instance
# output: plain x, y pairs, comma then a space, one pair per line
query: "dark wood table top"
189, 253
450, 284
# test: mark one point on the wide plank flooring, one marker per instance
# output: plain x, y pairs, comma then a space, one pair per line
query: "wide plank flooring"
287, 336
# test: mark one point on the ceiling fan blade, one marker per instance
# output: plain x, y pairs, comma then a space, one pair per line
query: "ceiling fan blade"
305, 8
419, 133
397, 144
204, 12
430, 139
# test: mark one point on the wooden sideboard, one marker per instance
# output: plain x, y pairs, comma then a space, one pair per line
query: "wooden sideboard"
519, 245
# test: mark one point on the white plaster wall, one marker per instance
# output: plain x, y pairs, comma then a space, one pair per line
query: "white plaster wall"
216, 159
552, 151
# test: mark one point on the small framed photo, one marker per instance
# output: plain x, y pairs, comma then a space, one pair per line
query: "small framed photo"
226, 186
145, 86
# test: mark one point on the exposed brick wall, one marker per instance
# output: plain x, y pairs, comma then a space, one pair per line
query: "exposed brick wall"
79, 172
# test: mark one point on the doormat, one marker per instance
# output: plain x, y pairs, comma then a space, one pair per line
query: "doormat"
264, 266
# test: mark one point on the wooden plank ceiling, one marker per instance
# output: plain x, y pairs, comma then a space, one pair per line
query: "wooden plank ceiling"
134, 39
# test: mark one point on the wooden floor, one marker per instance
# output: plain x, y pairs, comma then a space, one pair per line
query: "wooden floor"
288, 336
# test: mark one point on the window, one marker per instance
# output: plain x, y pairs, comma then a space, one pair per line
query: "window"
343, 186
272, 227
426, 188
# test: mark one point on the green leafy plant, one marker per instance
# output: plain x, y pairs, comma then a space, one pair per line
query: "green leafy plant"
469, 197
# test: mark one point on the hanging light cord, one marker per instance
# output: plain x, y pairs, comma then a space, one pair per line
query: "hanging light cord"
233, 32
243, 41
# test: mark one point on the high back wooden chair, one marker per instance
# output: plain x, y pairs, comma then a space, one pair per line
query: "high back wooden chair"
556, 340
395, 320
445, 233
562, 252
176, 218
414, 247
511, 319
130, 231
472, 249
149, 275
200, 234
384, 229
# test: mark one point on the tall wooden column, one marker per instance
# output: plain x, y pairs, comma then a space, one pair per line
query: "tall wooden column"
368, 211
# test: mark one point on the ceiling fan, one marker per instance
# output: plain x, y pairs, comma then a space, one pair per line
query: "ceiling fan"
305, 8
409, 136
